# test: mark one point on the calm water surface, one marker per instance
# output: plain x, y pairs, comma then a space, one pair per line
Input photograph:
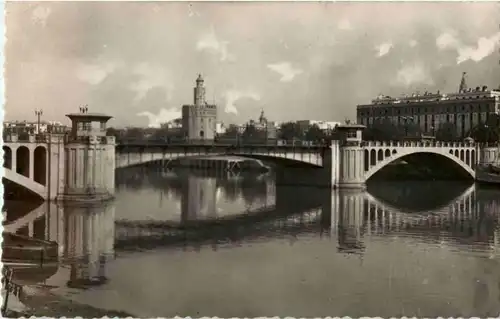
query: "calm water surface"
414, 249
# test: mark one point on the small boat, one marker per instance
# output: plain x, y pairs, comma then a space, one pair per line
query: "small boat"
495, 169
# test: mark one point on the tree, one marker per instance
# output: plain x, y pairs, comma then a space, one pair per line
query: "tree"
111, 131
314, 133
231, 132
447, 132
484, 133
384, 130
252, 133
134, 133
290, 131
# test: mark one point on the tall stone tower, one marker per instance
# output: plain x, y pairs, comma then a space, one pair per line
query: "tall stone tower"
89, 159
199, 119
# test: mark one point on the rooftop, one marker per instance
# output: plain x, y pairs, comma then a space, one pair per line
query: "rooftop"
477, 93
89, 116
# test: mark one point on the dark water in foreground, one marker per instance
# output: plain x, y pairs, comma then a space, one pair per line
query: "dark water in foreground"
414, 249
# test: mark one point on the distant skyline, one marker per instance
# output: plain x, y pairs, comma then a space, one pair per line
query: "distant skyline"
138, 61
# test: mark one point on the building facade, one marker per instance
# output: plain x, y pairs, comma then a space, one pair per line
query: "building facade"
322, 125
465, 109
199, 119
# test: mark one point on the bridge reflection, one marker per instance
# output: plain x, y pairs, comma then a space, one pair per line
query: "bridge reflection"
90, 235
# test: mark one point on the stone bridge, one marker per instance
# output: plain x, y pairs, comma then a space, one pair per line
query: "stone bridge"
378, 155
26, 164
129, 154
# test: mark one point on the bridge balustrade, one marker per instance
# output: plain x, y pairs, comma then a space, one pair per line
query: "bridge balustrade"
417, 144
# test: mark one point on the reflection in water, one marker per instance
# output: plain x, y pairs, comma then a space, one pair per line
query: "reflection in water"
281, 244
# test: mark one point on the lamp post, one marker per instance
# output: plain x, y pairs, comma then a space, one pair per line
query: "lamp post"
38, 113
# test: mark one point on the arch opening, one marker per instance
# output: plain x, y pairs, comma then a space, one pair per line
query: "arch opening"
380, 155
367, 160
7, 157
373, 157
387, 152
202, 133
421, 166
40, 165
23, 161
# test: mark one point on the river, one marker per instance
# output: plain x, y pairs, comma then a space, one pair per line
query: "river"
422, 249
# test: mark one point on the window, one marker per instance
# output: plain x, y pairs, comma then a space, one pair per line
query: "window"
103, 126
351, 134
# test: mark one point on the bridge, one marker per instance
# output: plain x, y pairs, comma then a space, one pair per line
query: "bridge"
378, 155
140, 153
82, 168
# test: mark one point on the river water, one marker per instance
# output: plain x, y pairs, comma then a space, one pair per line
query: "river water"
413, 248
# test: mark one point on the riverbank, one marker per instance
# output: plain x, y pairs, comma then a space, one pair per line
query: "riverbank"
41, 302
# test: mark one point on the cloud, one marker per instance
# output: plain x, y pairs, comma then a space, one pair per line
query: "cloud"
384, 48
94, 74
413, 43
413, 74
163, 116
210, 43
484, 47
149, 77
447, 40
344, 24
40, 15
286, 70
232, 96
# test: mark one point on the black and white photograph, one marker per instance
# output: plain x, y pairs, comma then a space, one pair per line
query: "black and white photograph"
251, 159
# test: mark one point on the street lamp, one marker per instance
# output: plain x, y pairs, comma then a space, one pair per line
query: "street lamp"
38, 113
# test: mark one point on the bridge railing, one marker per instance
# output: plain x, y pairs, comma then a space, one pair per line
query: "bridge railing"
26, 138
235, 143
418, 144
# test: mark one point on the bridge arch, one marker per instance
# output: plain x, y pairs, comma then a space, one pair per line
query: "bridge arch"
459, 162
40, 165
7, 157
23, 161
307, 158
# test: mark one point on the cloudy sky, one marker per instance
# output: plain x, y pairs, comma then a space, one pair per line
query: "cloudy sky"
138, 61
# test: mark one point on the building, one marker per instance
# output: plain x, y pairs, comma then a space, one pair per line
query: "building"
25, 127
465, 109
322, 125
266, 126
199, 119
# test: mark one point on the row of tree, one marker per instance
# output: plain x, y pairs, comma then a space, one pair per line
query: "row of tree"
379, 131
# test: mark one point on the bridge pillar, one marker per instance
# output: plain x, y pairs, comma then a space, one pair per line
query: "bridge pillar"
350, 164
488, 155
56, 162
89, 159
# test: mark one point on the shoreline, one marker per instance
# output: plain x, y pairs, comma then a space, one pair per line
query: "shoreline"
41, 302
